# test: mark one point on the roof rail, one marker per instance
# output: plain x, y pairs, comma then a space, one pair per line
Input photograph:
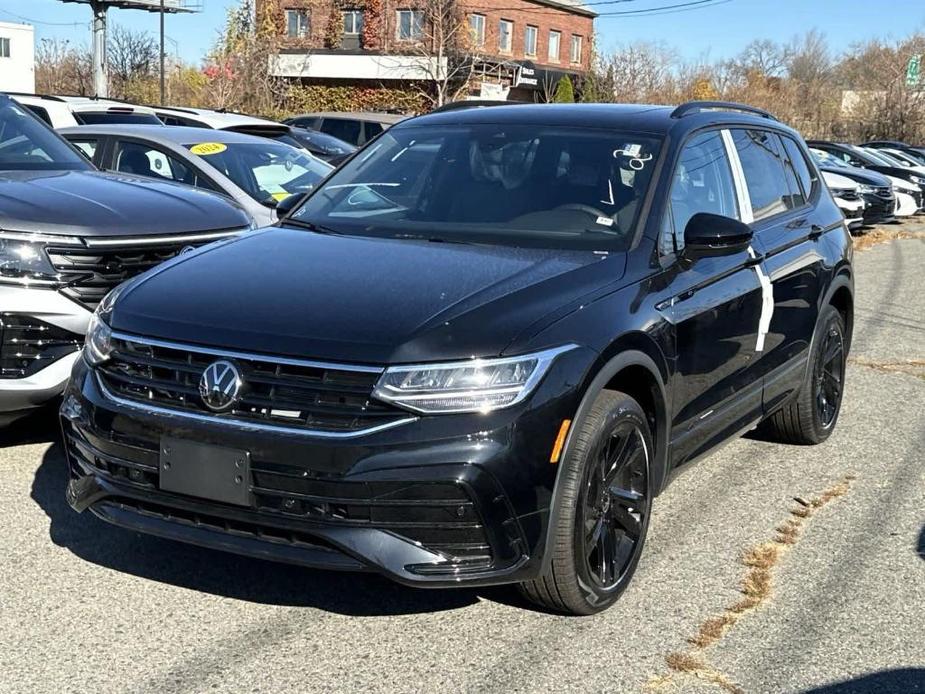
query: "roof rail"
39, 96
471, 103
698, 106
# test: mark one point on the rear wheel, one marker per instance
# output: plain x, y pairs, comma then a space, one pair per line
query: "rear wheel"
603, 515
811, 416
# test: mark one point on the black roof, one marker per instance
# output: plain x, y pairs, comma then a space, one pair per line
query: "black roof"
635, 117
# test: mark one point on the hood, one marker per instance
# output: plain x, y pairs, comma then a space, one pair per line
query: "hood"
904, 186
92, 203
838, 181
356, 299
865, 176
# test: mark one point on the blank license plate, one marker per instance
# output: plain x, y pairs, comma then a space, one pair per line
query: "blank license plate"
203, 470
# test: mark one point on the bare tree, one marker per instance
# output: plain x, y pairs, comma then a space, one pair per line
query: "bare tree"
132, 55
444, 53
62, 68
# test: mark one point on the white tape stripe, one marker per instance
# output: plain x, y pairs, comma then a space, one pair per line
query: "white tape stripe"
767, 302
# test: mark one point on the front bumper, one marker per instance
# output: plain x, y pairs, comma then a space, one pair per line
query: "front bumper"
440, 501
21, 395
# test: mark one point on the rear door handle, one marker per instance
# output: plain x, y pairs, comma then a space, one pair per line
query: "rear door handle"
815, 231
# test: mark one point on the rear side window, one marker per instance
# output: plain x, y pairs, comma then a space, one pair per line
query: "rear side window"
372, 129
88, 147
347, 130
40, 112
765, 172
800, 166
702, 182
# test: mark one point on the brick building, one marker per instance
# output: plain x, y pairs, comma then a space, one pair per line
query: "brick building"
521, 47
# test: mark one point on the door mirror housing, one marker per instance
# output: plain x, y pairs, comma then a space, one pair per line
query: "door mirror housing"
713, 235
288, 204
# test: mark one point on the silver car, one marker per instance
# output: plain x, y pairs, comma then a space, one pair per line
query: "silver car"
256, 172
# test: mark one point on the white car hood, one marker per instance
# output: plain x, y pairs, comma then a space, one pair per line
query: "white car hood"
834, 180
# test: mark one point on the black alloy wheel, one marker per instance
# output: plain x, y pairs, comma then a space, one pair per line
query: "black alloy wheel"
600, 517
614, 506
829, 377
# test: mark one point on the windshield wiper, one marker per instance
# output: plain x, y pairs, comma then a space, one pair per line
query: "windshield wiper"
311, 226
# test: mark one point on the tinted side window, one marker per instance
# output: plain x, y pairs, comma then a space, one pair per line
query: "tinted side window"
347, 130
702, 182
800, 166
39, 111
143, 160
88, 147
372, 129
765, 172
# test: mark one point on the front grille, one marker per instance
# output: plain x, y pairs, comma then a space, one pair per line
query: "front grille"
89, 272
441, 516
28, 345
317, 398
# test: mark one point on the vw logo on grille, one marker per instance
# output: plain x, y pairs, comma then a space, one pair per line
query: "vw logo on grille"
220, 385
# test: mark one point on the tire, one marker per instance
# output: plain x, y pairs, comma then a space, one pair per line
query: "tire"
609, 501
810, 417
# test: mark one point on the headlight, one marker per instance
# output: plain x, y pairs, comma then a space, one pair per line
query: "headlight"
98, 343
841, 192
863, 188
919, 180
23, 261
479, 385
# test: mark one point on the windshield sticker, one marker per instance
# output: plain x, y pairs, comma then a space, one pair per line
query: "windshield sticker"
605, 221
279, 197
634, 154
204, 149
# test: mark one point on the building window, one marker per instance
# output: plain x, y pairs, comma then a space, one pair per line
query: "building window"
575, 54
298, 23
409, 25
353, 22
4, 48
530, 40
505, 36
555, 38
477, 29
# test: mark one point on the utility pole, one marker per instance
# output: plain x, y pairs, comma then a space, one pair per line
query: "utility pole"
100, 62
162, 53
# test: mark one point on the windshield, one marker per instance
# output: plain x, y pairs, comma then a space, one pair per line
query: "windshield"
267, 171
26, 143
885, 157
519, 185
114, 117
823, 158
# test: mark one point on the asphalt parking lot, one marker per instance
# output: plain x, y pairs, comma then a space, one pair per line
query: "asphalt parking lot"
769, 568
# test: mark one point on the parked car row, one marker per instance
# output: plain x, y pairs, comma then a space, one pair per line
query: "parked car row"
473, 354
872, 183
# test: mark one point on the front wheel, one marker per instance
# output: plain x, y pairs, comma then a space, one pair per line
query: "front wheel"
603, 511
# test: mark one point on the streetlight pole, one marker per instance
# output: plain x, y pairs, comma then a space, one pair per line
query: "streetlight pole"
162, 53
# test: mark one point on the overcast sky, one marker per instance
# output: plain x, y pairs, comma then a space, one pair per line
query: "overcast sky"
714, 30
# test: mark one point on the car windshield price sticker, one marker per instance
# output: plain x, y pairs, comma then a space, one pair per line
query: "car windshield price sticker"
204, 149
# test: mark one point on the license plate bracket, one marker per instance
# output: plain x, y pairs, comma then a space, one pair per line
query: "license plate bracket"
206, 471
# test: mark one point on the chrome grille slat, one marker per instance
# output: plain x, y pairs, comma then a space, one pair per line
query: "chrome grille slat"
302, 395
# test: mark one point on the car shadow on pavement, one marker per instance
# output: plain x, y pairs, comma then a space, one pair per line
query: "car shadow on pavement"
230, 575
905, 680
41, 427
920, 547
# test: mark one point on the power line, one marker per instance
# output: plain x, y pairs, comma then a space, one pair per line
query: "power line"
645, 12
39, 21
668, 9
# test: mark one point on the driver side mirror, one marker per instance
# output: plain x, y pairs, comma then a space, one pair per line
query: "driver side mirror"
288, 204
714, 235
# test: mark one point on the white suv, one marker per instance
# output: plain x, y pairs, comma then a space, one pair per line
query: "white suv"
67, 111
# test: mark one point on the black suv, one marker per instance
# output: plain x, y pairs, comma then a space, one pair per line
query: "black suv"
477, 352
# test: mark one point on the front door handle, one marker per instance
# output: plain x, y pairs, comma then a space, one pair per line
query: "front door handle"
754, 260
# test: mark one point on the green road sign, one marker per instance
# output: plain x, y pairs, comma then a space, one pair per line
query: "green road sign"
914, 71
